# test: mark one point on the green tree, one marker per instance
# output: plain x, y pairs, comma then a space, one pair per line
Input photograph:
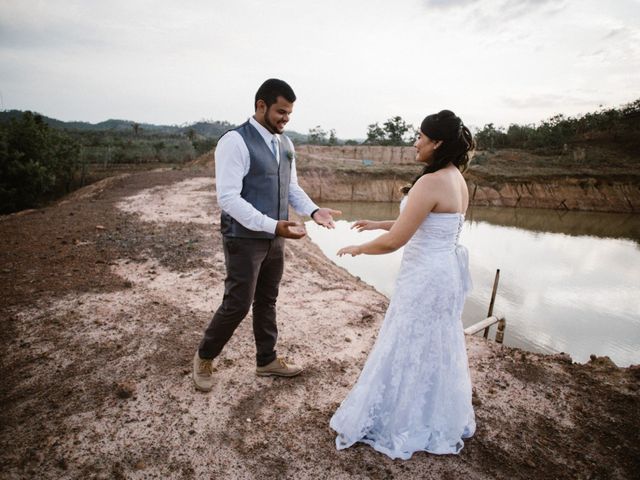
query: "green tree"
35, 162
158, 147
205, 145
490, 137
375, 135
317, 136
520, 136
395, 131
333, 140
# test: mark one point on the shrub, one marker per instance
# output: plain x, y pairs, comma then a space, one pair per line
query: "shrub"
36, 162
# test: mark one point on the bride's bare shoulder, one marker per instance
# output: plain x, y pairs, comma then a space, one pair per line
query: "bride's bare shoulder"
431, 180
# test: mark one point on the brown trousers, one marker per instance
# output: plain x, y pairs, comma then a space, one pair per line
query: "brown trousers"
254, 270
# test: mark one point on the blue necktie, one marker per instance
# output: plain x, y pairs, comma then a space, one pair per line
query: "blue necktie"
274, 147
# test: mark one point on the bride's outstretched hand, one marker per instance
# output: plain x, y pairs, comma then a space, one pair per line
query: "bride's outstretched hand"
362, 225
352, 250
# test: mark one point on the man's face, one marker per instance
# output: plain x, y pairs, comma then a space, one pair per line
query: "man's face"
276, 116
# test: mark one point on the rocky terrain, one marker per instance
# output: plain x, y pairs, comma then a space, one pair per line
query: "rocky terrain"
105, 296
593, 180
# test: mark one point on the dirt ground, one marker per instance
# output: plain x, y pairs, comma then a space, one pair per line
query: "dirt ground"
104, 299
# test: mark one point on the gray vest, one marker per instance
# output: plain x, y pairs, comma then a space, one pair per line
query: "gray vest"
266, 185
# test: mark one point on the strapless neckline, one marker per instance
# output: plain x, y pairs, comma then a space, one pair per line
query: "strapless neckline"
403, 201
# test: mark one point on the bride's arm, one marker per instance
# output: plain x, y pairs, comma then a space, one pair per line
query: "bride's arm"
421, 200
362, 225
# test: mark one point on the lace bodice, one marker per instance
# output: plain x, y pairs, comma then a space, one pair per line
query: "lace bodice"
439, 231
438, 234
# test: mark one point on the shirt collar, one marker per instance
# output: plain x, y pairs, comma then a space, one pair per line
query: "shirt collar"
266, 134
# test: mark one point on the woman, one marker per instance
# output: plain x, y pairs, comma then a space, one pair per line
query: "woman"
414, 392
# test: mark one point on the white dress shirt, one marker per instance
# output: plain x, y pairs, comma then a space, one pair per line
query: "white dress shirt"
232, 165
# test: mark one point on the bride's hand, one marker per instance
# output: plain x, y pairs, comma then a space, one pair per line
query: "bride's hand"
362, 225
352, 250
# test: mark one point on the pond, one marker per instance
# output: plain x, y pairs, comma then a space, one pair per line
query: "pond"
569, 281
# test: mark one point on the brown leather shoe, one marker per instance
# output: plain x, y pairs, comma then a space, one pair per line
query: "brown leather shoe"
279, 368
202, 373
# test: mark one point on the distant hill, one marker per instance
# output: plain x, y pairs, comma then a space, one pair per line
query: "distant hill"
210, 129
206, 129
107, 125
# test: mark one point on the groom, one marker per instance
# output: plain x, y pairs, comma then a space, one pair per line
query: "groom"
256, 181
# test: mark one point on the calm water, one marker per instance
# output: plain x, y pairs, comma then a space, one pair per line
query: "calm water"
569, 281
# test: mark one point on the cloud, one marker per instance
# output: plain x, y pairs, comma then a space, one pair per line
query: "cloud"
549, 101
600, 53
616, 33
446, 4
49, 36
499, 8
162, 62
520, 8
489, 15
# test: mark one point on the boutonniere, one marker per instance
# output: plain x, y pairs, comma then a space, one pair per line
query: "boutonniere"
290, 156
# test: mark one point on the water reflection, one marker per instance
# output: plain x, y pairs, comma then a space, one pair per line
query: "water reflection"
596, 224
569, 280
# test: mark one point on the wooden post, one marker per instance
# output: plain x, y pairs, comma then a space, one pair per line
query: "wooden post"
486, 323
481, 325
493, 299
500, 332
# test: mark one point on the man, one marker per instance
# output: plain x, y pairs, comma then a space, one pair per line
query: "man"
256, 181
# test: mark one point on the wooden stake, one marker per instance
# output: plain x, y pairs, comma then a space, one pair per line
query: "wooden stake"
502, 323
493, 299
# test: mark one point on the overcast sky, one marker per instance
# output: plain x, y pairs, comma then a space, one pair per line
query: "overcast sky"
350, 62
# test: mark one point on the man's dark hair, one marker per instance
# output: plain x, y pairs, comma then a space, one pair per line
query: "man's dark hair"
271, 89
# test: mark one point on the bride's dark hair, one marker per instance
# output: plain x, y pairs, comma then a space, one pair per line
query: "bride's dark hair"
457, 142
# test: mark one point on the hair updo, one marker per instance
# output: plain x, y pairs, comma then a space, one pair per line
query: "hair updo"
457, 142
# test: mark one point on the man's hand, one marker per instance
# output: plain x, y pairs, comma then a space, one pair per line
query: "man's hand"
292, 230
324, 217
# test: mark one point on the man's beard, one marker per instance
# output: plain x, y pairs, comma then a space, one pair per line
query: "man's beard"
270, 126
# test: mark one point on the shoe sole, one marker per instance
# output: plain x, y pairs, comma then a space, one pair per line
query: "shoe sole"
199, 388
274, 374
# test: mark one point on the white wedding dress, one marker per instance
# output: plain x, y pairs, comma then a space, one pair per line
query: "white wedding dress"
414, 392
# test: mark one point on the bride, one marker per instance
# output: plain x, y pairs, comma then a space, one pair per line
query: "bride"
414, 392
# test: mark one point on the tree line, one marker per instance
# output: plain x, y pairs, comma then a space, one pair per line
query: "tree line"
619, 125
395, 131
38, 162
